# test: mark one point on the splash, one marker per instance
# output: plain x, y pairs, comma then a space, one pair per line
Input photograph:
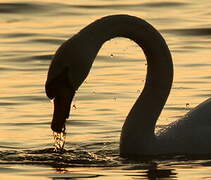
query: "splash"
59, 141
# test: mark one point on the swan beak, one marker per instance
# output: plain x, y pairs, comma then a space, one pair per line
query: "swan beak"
62, 103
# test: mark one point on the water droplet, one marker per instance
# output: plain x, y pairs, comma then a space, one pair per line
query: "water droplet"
59, 141
187, 105
74, 106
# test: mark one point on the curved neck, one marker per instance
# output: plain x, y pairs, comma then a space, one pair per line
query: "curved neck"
159, 63
145, 112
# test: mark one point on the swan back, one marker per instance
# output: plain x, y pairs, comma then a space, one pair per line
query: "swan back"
189, 134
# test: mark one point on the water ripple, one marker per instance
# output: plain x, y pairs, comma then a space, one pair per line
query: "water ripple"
48, 41
118, 6
16, 8
30, 58
43, 57
41, 7
25, 98
66, 158
8, 104
20, 8
164, 4
190, 31
195, 65
18, 35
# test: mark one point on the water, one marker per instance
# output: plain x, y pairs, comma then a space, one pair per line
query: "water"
30, 33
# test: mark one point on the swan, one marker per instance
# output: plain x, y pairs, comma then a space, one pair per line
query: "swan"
71, 65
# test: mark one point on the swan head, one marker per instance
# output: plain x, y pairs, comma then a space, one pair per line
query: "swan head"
69, 68
62, 92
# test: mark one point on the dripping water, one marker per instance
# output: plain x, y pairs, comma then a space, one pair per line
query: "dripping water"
59, 141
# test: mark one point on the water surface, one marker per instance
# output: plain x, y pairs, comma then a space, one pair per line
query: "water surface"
30, 33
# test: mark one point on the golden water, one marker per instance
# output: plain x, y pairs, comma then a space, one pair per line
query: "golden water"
30, 33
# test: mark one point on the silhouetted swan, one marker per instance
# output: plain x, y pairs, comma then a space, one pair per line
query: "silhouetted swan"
71, 65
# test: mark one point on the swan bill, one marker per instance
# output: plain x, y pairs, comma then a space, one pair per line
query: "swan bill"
62, 105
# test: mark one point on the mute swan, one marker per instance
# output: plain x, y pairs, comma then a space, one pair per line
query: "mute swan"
71, 65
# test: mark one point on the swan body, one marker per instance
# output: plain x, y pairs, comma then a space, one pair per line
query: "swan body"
72, 63
190, 134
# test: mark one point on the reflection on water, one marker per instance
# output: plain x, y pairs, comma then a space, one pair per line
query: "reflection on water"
81, 164
31, 32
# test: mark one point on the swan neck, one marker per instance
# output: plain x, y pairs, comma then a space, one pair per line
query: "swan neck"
148, 106
141, 120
